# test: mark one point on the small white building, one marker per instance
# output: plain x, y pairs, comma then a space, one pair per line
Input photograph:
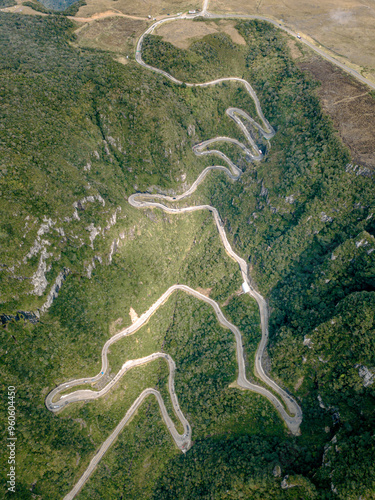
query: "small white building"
245, 287
192, 11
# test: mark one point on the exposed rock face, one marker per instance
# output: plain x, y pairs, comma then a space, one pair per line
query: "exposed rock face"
33, 317
112, 250
43, 248
276, 471
263, 191
191, 130
358, 170
29, 316
284, 483
39, 279
54, 291
325, 218
366, 375
92, 266
290, 199
307, 342
112, 221
89, 269
94, 231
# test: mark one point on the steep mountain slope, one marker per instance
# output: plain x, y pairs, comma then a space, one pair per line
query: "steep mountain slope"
83, 133
305, 221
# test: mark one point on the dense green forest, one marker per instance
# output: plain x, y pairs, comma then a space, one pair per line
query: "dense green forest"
78, 126
6, 3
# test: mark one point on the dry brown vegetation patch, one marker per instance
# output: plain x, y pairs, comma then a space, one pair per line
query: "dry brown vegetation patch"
183, 33
22, 9
204, 291
350, 105
137, 8
346, 27
121, 60
116, 34
115, 325
294, 50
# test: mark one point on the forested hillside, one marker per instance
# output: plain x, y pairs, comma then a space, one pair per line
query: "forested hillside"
82, 133
305, 221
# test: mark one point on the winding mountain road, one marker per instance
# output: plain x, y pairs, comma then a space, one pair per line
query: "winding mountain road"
291, 413
183, 441
206, 14
143, 201
280, 26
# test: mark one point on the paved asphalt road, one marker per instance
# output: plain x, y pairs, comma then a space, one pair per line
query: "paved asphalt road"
210, 15
143, 200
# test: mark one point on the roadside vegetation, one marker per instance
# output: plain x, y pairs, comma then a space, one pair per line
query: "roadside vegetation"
88, 126
7, 3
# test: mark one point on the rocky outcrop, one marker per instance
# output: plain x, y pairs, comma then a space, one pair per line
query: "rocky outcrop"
33, 317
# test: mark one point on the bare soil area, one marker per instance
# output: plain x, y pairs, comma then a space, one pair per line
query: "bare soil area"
351, 106
183, 33
115, 34
142, 8
204, 291
101, 15
22, 9
133, 315
346, 27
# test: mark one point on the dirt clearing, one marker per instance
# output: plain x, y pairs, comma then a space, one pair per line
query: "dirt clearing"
183, 33
133, 315
346, 27
204, 291
22, 9
142, 8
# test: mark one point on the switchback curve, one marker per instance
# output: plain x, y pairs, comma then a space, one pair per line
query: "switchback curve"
140, 200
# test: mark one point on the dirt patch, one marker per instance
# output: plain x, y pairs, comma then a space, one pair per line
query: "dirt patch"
204, 291
143, 8
346, 27
115, 34
113, 327
102, 15
122, 60
234, 385
23, 9
350, 105
133, 315
183, 33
